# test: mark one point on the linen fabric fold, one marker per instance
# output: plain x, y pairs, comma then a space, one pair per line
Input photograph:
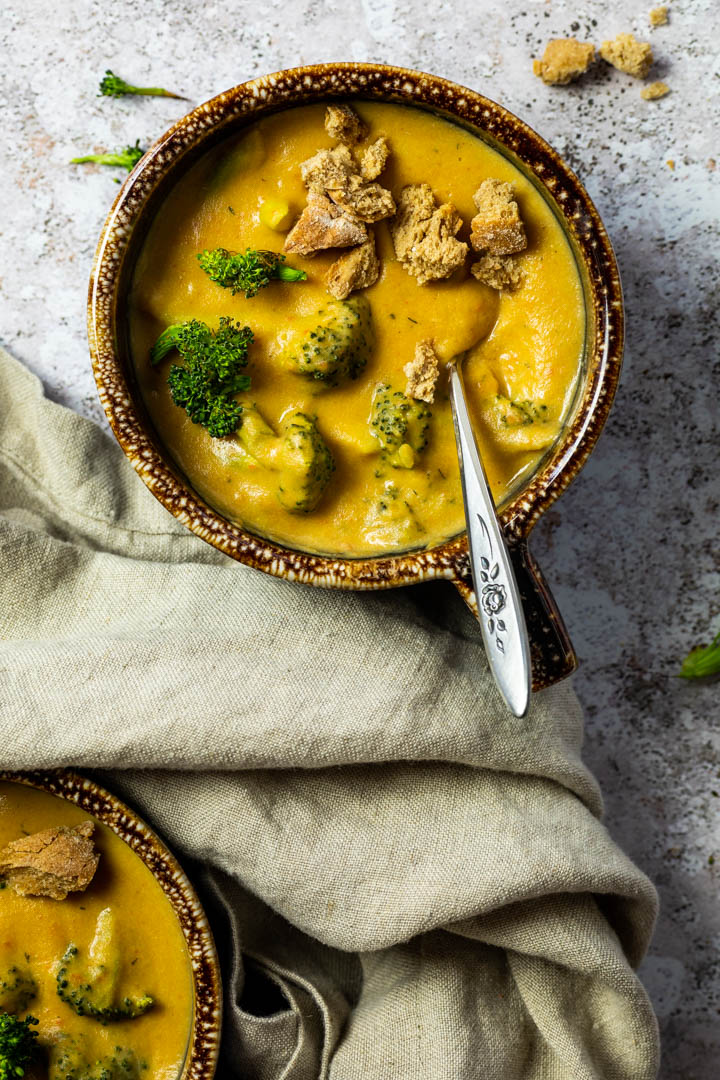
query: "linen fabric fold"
406, 881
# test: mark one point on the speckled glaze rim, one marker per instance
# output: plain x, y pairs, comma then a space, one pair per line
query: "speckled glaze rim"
204, 1042
316, 83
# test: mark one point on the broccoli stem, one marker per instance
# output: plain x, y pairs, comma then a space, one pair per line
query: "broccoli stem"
113, 86
702, 662
123, 159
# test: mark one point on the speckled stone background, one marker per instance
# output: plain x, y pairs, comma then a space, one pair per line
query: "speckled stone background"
632, 549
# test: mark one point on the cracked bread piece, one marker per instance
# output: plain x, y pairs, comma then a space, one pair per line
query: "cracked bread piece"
374, 159
423, 235
344, 124
356, 269
323, 225
628, 54
335, 173
422, 372
564, 60
53, 862
500, 272
497, 227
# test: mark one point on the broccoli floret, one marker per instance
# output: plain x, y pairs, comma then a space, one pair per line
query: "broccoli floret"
68, 1062
332, 344
400, 425
205, 386
113, 86
90, 987
122, 159
17, 990
247, 273
307, 464
18, 1045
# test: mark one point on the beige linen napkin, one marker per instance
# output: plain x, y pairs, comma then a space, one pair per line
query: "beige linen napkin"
406, 881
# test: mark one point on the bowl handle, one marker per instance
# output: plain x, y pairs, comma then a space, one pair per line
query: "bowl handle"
551, 651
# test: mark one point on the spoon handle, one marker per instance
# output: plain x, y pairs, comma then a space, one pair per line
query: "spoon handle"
502, 620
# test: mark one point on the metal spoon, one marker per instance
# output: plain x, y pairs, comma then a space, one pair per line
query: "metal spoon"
502, 620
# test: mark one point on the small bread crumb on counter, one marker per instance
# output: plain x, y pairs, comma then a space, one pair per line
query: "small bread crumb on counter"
422, 373
564, 60
671, 164
500, 272
344, 124
658, 16
628, 54
374, 159
51, 863
423, 235
497, 227
355, 269
654, 91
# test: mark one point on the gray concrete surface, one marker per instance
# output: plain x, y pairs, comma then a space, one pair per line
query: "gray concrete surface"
632, 548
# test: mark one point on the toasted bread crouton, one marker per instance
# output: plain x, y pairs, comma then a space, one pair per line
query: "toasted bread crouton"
344, 124
422, 373
497, 227
423, 235
629, 55
356, 269
328, 169
51, 863
369, 202
654, 90
322, 225
374, 159
500, 272
564, 60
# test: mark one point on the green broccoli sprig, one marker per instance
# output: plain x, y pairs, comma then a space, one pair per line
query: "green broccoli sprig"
702, 662
212, 374
248, 273
113, 86
123, 159
18, 1045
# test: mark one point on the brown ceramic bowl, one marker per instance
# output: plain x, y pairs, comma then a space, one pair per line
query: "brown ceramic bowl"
127, 223
204, 1036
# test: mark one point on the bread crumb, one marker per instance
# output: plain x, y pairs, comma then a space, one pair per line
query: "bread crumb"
628, 54
658, 16
51, 863
711, 164
423, 235
500, 272
654, 91
497, 227
356, 269
671, 164
344, 124
374, 159
323, 225
564, 60
422, 373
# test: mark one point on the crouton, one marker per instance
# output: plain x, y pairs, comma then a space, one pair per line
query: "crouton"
658, 16
328, 169
356, 269
374, 159
422, 373
654, 91
423, 235
500, 272
629, 55
369, 202
322, 225
497, 227
344, 124
564, 60
51, 863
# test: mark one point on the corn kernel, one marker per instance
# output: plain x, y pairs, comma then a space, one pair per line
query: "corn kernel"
406, 456
275, 213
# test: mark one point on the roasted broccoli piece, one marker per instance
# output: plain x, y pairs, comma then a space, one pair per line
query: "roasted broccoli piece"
400, 425
90, 987
68, 1062
18, 1045
703, 661
123, 159
113, 86
247, 273
205, 386
332, 344
17, 990
307, 464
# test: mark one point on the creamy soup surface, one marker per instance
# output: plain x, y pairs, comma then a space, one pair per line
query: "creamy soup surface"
35, 933
523, 346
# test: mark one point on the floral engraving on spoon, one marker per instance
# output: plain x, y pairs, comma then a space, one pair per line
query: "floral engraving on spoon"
493, 597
